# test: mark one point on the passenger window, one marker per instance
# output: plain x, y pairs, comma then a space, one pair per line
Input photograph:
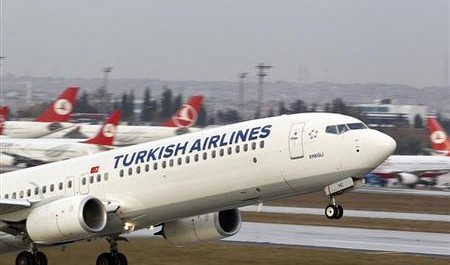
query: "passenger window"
180, 161
99, 178
14, 195
331, 129
21, 194
91, 179
213, 154
171, 162
188, 159
83, 181
342, 128
60, 186
261, 144
147, 168
6, 196
121, 173
196, 157
163, 164
52, 188
253, 146
36, 191
69, 184
138, 169
28, 192
230, 150
245, 147
130, 171
106, 176
205, 155
238, 149
44, 189
221, 152
155, 166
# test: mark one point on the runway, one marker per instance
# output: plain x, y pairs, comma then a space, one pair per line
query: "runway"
338, 237
403, 191
352, 213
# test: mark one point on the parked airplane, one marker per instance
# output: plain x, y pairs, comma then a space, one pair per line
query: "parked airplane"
179, 123
56, 117
411, 170
440, 143
40, 151
190, 184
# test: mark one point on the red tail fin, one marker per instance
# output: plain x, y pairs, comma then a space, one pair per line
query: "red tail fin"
61, 109
3, 116
108, 130
438, 137
187, 114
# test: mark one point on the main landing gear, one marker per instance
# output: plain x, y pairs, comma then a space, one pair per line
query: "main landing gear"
114, 257
32, 257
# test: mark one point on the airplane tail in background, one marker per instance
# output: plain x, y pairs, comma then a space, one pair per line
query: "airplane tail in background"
61, 109
108, 131
438, 137
187, 114
3, 116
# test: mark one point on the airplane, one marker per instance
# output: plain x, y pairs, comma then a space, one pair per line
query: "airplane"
190, 185
440, 143
413, 169
39, 151
56, 117
179, 123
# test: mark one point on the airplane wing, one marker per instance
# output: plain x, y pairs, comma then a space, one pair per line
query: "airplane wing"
12, 205
23, 159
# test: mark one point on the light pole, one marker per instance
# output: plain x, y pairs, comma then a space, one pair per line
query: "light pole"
242, 76
260, 90
106, 72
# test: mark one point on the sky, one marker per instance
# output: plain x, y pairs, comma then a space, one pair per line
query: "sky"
346, 41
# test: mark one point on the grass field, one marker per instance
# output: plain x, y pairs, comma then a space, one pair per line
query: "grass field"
356, 222
157, 251
371, 201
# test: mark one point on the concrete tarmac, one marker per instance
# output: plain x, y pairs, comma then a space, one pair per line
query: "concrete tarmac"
338, 237
351, 213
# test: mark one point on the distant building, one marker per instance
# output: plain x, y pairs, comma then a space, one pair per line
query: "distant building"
382, 113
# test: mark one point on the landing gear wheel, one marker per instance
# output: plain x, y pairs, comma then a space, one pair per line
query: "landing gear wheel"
40, 258
340, 212
105, 259
331, 211
25, 258
122, 259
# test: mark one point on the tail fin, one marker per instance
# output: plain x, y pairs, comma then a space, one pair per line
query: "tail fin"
108, 130
438, 137
3, 116
187, 114
61, 109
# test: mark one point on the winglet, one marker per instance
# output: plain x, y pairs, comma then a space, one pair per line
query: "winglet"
3, 116
187, 114
438, 137
61, 109
108, 130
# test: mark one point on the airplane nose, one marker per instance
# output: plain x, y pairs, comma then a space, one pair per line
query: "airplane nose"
383, 145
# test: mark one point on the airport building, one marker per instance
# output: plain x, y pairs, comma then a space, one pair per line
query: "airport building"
383, 113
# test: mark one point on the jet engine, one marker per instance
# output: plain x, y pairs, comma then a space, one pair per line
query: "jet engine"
7, 161
408, 178
202, 228
66, 219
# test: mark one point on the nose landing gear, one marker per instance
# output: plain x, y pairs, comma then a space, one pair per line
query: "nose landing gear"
333, 211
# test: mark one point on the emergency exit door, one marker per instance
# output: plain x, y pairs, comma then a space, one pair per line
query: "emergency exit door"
296, 140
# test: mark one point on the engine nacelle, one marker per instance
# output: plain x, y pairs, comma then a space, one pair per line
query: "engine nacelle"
7, 161
67, 219
408, 178
202, 228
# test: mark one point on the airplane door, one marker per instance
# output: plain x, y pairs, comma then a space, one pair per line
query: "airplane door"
296, 141
70, 186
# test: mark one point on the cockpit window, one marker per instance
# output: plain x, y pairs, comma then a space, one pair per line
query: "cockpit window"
331, 129
342, 128
356, 126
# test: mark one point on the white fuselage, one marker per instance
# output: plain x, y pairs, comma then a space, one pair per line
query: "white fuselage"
33, 129
128, 135
154, 183
413, 163
45, 150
